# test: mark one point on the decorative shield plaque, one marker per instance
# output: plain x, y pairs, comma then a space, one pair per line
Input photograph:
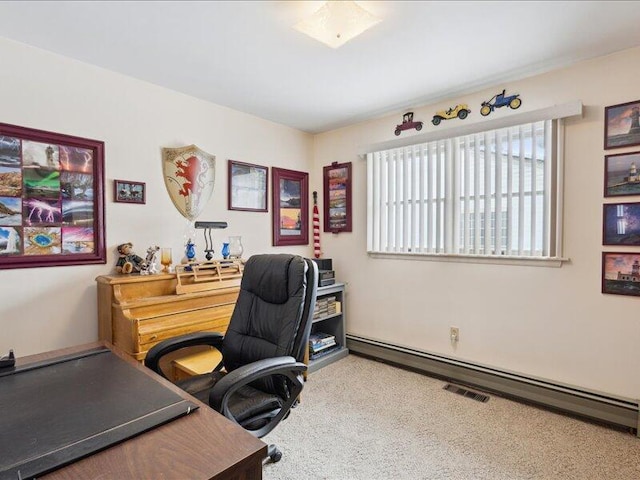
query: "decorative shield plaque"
189, 174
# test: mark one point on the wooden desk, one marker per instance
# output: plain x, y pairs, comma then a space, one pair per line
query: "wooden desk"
202, 445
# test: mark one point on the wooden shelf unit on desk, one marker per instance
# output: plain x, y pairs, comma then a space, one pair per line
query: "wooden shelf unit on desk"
135, 312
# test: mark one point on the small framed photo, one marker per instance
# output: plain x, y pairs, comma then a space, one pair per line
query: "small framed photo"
247, 187
622, 125
126, 191
290, 207
337, 197
621, 273
622, 174
621, 224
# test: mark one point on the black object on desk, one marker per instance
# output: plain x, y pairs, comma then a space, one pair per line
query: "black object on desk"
56, 412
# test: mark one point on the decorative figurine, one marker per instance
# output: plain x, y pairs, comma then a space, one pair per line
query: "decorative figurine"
128, 261
149, 266
499, 101
460, 111
408, 123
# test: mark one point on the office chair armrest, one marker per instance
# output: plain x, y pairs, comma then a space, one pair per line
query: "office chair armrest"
255, 370
152, 360
231, 382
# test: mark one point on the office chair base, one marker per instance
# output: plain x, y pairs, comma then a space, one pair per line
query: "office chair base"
273, 454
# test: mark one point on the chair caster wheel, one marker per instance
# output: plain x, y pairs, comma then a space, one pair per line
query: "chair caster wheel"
276, 456
274, 453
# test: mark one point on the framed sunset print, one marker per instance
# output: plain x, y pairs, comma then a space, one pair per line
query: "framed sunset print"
51, 199
621, 273
290, 207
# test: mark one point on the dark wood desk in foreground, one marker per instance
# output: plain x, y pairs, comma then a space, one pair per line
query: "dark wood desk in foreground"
201, 445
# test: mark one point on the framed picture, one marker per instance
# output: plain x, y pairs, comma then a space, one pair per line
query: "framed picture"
51, 199
621, 224
621, 273
247, 187
621, 174
126, 191
622, 125
290, 207
337, 197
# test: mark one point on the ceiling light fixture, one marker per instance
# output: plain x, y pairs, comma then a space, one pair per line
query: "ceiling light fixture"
337, 22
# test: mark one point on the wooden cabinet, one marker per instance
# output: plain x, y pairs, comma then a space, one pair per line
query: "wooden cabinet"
135, 312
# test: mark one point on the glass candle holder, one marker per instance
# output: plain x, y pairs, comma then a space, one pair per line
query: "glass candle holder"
235, 247
166, 259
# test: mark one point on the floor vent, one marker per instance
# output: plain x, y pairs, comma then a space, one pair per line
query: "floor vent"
480, 397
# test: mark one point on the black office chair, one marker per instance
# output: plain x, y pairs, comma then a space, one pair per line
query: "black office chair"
263, 349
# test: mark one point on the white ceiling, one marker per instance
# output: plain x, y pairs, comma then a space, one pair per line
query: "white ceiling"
246, 56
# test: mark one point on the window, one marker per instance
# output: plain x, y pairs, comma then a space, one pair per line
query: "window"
492, 193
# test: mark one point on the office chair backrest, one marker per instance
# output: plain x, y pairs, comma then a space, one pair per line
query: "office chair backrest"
272, 317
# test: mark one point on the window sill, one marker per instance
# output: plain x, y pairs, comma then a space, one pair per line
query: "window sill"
554, 262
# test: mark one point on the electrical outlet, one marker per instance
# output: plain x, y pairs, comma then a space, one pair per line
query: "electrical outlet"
454, 333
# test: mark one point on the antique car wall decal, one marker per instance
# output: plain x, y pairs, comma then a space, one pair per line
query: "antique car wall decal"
460, 111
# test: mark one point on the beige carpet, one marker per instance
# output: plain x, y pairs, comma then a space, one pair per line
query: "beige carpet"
364, 420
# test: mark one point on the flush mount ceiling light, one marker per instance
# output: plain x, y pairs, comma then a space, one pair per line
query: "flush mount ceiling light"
337, 22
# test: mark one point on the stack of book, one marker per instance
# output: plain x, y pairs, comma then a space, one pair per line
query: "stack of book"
320, 344
325, 306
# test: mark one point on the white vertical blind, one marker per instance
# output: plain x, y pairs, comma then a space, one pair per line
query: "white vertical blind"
489, 193
509, 199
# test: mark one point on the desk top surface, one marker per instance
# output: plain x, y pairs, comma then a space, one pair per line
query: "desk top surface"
201, 445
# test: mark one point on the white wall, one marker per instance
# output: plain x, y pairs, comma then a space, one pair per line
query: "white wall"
546, 322
48, 308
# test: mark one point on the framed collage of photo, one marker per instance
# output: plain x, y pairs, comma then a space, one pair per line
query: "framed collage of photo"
290, 207
337, 197
51, 199
621, 221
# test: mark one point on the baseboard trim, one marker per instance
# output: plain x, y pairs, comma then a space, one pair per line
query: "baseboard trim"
616, 412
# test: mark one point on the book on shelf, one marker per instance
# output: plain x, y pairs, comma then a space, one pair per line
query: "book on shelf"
320, 341
321, 337
322, 353
320, 348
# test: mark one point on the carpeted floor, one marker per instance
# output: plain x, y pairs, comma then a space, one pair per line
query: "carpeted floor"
364, 420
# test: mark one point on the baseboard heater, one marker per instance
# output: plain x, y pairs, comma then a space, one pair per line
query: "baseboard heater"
621, 413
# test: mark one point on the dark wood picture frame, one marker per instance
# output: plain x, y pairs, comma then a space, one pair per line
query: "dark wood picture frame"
621, 224
290, 207
622, 174
337, 181
251, 194
622, 125
127, 191
51, 199
621, 273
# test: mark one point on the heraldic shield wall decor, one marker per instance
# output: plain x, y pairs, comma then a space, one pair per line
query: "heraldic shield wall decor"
189, 174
